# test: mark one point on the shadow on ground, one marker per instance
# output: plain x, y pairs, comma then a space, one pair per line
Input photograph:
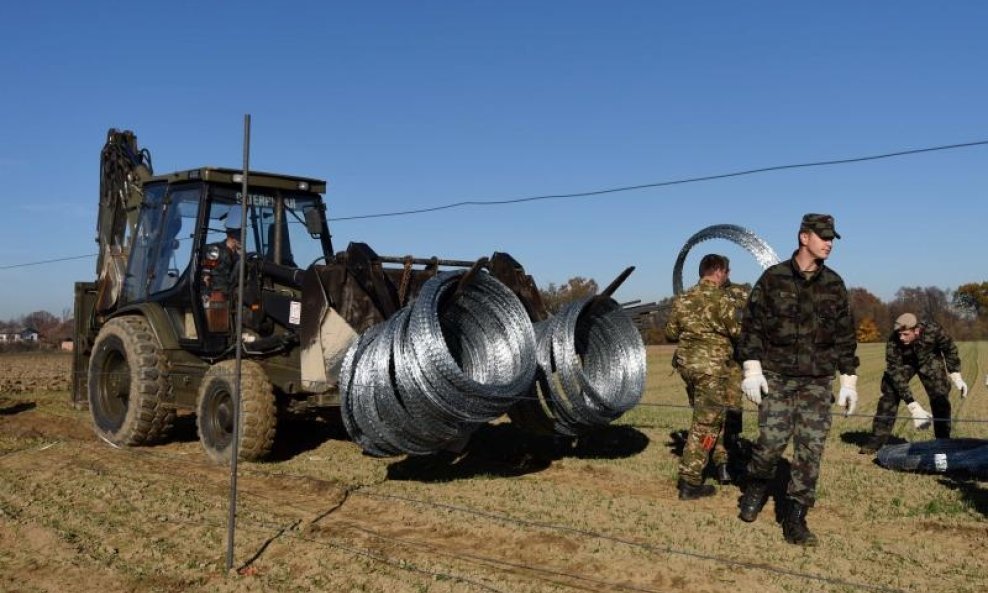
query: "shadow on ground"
860, 437
503, 450
17, 408
972, 491
296, 434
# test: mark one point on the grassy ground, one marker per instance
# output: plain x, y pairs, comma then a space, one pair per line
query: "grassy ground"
512, 514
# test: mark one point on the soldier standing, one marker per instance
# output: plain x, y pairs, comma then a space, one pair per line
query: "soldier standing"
796, 332
704, 322
922, 348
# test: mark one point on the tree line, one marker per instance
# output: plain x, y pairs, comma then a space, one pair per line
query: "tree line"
963, 312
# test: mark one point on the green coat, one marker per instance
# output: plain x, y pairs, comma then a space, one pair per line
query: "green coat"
798, 326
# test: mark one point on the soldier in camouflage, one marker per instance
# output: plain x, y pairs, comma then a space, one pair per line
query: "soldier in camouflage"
922, 348
797, 331
704, 323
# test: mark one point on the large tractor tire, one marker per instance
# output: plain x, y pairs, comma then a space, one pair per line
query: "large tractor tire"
130, 390
258, 419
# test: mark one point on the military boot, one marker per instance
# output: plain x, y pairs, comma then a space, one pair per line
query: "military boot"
689, 491
794, 527
753, 500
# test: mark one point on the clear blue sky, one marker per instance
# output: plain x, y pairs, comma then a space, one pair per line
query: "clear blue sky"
405, 105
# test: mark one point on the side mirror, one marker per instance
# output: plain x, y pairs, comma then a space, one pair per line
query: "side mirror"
313, 222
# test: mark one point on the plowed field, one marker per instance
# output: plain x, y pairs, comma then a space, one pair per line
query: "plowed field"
512, 513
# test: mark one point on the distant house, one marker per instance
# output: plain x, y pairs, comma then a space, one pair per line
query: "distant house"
67, 345
28, 334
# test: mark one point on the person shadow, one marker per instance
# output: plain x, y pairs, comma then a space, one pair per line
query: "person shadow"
860, 437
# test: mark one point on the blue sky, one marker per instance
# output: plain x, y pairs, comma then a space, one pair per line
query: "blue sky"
404, 105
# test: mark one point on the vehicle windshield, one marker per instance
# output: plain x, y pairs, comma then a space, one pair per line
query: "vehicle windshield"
265, 224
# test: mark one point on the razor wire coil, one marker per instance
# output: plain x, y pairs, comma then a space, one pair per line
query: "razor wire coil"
457, 357
591, 365
747, 239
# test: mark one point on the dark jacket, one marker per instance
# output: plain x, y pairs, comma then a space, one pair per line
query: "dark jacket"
927, 355
799, 327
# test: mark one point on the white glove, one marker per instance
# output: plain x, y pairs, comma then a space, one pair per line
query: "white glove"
921, 418
959, 383
847, 398
753, 384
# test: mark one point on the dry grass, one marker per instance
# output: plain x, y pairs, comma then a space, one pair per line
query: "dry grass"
511, 515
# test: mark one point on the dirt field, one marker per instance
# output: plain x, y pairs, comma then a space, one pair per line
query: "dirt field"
512, 514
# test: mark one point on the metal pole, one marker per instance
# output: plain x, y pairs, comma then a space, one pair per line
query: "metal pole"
235, 445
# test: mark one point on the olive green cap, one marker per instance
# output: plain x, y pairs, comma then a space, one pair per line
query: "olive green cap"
821, 224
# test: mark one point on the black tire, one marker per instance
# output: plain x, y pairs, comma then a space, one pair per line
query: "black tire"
130, 391
214, 412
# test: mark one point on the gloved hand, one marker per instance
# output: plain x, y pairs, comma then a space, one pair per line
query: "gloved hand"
921, 418
959, 383
753, 384
847, 398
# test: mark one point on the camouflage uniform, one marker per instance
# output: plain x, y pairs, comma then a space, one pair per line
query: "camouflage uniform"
931, 355
704, 322
799, 326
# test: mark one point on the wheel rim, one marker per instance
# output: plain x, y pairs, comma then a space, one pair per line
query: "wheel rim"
113, 391
218, 423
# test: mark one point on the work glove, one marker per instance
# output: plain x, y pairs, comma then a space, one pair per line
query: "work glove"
753, 384
921, 418
959, 383
847, 398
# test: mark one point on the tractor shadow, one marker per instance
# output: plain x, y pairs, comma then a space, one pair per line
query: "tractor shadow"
299, 433
503, 450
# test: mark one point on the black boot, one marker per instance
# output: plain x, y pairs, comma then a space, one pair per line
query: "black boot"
689, 491
753, 500
794, 527
723, 475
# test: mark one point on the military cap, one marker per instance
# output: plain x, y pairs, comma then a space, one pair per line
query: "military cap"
821, 224
905, 321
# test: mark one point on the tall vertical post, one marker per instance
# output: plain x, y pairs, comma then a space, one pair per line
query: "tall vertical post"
235, 445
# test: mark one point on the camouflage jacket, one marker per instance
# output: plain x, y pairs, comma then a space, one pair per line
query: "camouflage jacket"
799, 327
704, 322
928, 353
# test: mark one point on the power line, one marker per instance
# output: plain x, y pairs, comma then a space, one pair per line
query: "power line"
611, 190
47, 261
625, 188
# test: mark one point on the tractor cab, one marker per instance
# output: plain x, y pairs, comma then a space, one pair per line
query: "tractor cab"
181, 257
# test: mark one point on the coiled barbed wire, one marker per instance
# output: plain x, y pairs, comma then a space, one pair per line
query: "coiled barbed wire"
591, 368
457, 357
751, 242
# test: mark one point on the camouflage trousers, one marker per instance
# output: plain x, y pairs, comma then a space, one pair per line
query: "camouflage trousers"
796, 408
711, 396
937, 386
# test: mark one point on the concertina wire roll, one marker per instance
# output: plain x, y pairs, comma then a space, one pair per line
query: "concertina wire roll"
455, 359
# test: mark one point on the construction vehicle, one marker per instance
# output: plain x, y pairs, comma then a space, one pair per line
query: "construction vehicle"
153, 337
